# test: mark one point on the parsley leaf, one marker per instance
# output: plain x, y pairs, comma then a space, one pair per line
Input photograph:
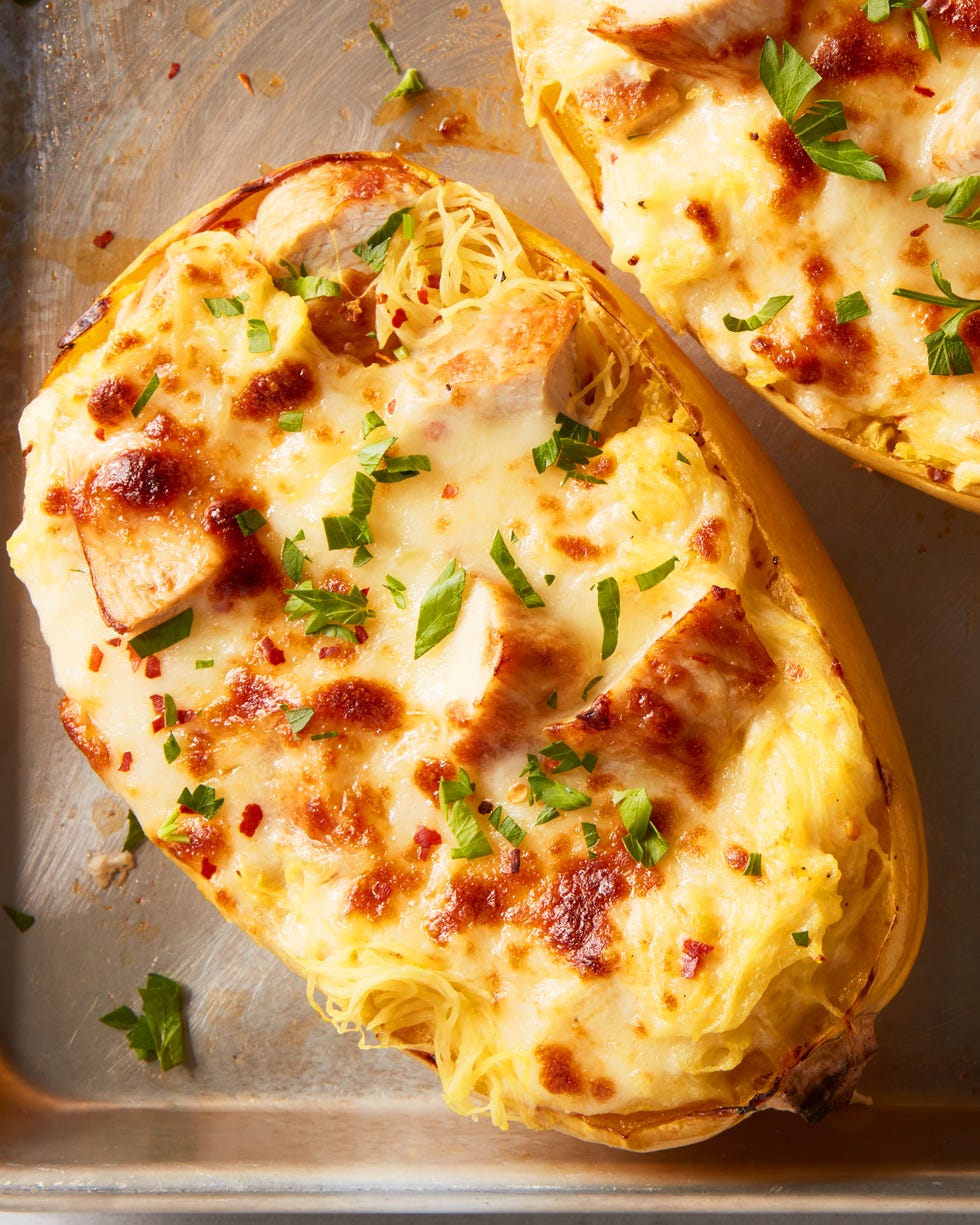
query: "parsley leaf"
878, 11
201, 800
169, 830
650, 578
292, 422
397, 589
957, 195
371, 421
159, 1032
565, 758
169, 711
352, 531
249, 521
642, 838
570, 447
507, 826
754, 866
549, 791
607, 590
293, 557
375, 249
946, 350
329, 612
512, 572
439, 609
589, 687
591, 835
297, 717
257, 333
801, 938
226, 306
171, 749
19, 918
401, 467
850, 307
134, 833
768, 310
411, 83
453, 794
164, 635
301, 285
788, 81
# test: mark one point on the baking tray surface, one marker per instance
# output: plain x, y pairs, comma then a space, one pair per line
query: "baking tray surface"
104, 133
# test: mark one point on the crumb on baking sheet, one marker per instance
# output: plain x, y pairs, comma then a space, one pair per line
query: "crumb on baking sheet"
104, 869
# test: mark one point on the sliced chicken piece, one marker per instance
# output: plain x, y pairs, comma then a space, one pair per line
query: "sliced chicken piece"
145, 549
701, 38
518, 358
625, 102
317, 219
504, 665
955, 135
686, 699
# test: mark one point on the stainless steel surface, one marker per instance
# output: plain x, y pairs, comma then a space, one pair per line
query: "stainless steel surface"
276, 1111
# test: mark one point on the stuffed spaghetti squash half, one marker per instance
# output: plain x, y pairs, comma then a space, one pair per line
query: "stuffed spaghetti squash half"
439, 620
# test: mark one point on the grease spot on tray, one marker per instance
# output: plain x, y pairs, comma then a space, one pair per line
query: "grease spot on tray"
199, 21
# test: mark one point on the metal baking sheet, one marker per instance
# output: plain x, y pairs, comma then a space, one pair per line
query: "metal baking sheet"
274, 1110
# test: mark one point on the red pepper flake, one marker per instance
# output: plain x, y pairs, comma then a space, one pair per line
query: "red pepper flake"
95, 658
134, 659
450, 126
157, 700
918, 231
450, 491
184, 716
246, 81
174, 69
399, 317
251, 819
836, 669
127, 762
153, 667
924, 91
360, 633
208, 869
432, 280
272, 653
597, 266
100, 434
424, 297
513, 861
113, 642
694, 951
158, 723
102, 240
425, 839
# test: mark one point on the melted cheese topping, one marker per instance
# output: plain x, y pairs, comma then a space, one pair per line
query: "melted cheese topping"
553, 980
707, 197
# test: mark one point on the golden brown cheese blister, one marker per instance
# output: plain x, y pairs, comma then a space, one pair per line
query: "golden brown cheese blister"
442, 623
658, 117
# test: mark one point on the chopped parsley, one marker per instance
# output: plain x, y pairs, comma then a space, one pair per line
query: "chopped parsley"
565, 758
571, 446
439, 609
293, 557
257, 334
683, 459
144, 396
300, 284
591, 835
556, 796
754, 866
411, 82
956, 197
768, 310
850, 307
134, 833
589, 687
390, 469
352, 531
203, 663
201, 800
642, 838
291, 422
297, 717
170, 829
227, 306
397, 589
651, 578
374, 250
21, 920
788, 80
330, 612
159, 1032
372, 421
249, 521
507, 826
512, 572
801, 938
880, 10
169, 711
607, 592
453, 795
553, 699
945, 348
171, 749
164, 635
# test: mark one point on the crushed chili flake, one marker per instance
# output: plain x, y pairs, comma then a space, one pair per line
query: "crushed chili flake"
514, 861
924, 91
174, 69
450, 491
102, 240
251, 819
153, 667
134, 659
432, 280
184, 716
246, 81
399, 317
100, 434
157, 701
272, 653
95, 658
360, 633
127, 762
157, 724
691, 957
424, 297
425, 838
113, 642
208, 869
